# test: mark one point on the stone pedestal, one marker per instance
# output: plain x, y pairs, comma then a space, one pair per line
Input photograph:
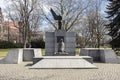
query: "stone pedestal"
16, 56
52, 39
29, 53
102, 55
63, 62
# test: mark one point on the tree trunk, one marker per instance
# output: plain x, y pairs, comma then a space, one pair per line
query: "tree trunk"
25, 43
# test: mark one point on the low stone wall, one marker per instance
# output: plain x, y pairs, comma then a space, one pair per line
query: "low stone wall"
29, 53
16, 56
102, 55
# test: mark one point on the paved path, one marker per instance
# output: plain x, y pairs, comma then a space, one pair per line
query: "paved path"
22, 72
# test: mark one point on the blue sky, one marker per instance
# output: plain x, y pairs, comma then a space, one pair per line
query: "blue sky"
103, 7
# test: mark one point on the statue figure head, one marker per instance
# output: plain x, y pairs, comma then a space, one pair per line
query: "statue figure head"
61, 40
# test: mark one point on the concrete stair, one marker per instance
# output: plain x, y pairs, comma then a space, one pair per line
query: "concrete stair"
62, 62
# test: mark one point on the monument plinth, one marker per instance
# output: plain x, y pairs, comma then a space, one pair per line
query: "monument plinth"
52, 43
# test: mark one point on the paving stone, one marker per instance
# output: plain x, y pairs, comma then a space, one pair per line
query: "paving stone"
22, 72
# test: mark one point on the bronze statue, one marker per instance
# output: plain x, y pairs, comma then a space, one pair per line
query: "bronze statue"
57, 17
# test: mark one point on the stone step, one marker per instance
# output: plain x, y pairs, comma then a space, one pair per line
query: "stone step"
101, 55
87, 58
62, 62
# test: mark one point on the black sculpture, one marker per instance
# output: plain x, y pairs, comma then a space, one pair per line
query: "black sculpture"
57, 17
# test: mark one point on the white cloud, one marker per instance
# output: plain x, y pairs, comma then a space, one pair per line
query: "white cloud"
46, 8
2, 4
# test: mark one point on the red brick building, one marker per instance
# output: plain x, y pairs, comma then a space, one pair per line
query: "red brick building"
8, 30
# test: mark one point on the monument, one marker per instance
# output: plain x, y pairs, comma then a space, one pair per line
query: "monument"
60, 50
60, 42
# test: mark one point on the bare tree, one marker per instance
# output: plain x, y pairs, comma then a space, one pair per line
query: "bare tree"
96, 24
83, 38
70, 10
91, 28
26, 13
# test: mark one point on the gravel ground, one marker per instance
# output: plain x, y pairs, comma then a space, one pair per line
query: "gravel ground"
22, 72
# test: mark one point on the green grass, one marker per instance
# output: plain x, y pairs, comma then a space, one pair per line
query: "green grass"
77, 51
3, 52
43, 51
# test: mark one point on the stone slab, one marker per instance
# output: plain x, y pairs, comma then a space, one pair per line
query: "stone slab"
49, 34
54, 62
69, 49
70, 45
60, 33
51, 42
49, 53
88, 58
16, 56
108, 56
49, 45
71, 34
29, 53
63, 63
64, 54
38, 52
102, 55
70, 39
49, 39
91, 52
48, 50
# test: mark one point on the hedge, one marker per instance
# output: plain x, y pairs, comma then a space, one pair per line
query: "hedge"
8, 44
38, 43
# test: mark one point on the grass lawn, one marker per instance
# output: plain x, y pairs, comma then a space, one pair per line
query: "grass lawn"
77, 51
3, 52
43, 51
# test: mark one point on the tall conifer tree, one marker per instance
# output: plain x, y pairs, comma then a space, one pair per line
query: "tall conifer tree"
114, 22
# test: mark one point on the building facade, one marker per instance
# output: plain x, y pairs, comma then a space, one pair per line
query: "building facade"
1, 24
11, 31
8, 30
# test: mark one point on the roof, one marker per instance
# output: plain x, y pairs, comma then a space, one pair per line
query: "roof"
12, 24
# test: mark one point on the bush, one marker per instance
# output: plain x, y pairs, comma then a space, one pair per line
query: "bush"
38, 43
19, 45
8, 44
117, 51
